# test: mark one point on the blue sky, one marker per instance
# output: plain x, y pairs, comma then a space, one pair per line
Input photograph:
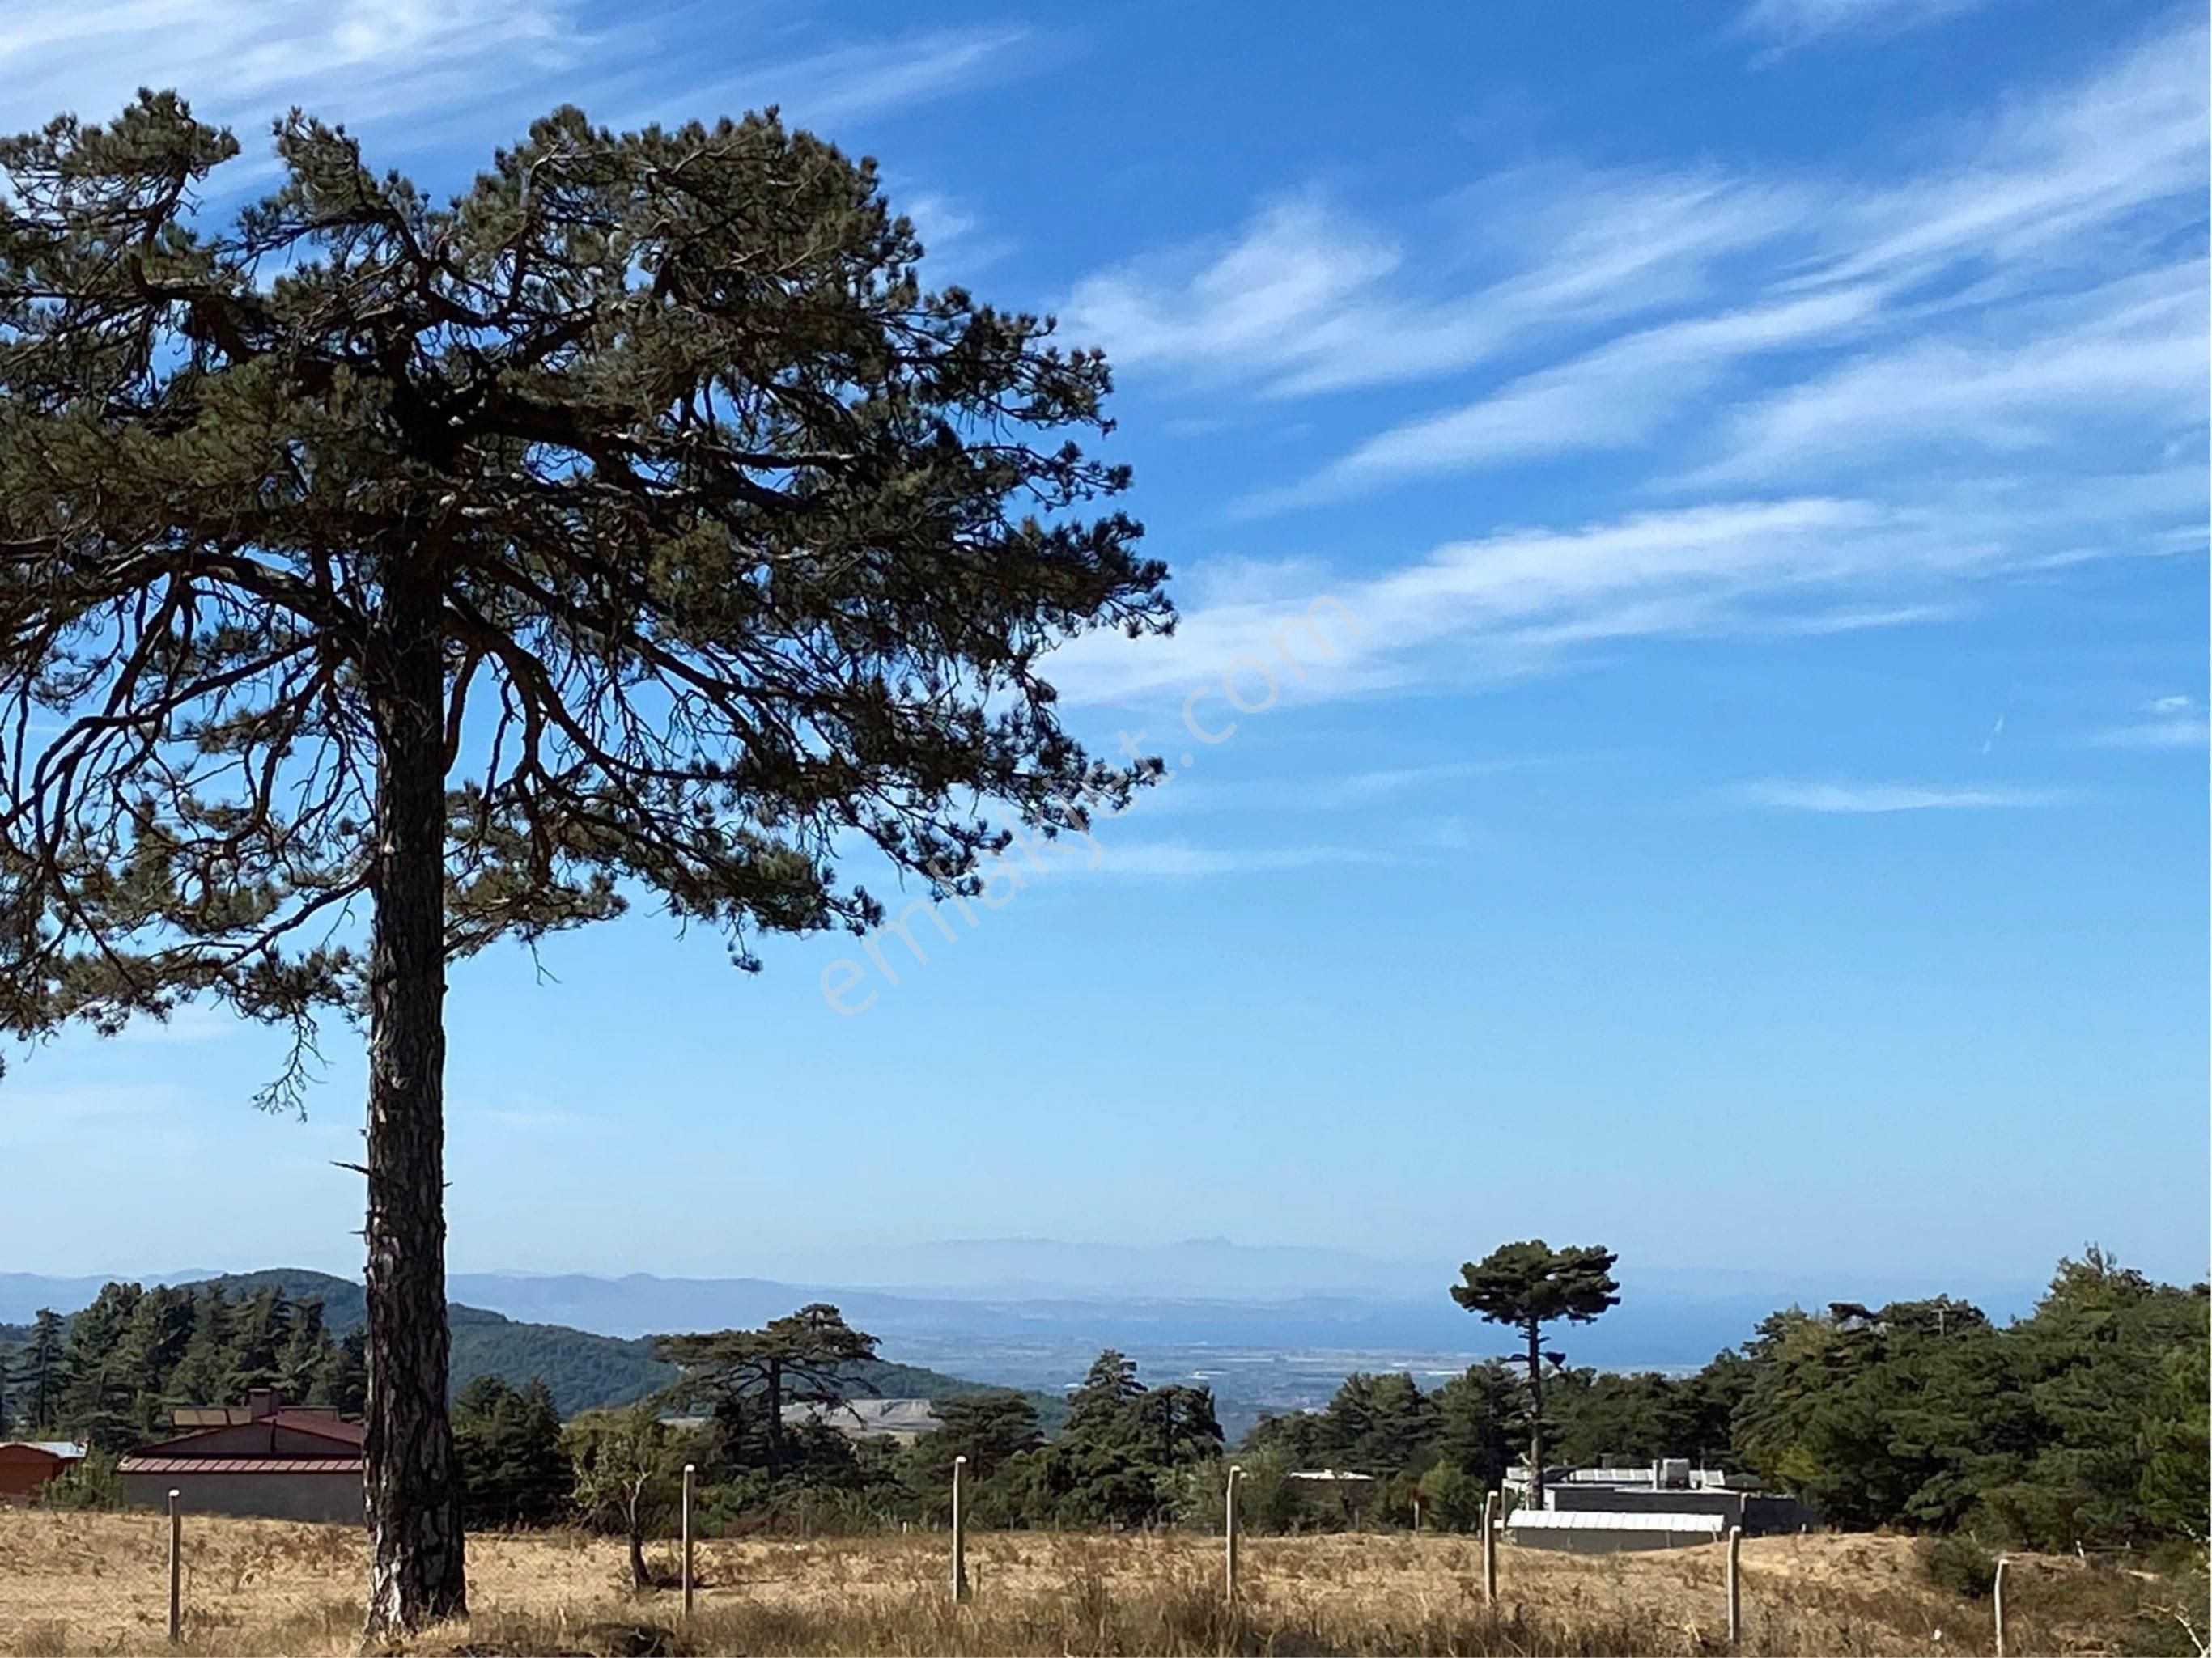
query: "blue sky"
1742, 798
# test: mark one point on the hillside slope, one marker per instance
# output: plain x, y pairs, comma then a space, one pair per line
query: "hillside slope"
584, 1370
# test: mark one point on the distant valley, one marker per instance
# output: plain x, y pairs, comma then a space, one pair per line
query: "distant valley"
1032, 1314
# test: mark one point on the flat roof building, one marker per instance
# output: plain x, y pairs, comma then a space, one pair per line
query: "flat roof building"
1586, 1531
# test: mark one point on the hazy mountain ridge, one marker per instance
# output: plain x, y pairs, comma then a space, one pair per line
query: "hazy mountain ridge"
1224, 1317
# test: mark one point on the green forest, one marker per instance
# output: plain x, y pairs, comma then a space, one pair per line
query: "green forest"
582, 1369
2080, 1426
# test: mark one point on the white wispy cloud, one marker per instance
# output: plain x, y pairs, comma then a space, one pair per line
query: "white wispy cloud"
1800, 22
1183, 860
2165, 722
1507, 603
251, 58
2134, 353
1619, 395
1301, 301
1790, 795
1394, 780
848, 81
413, 73
2040, 281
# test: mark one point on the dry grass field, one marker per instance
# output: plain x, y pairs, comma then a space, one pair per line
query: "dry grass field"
96, 1584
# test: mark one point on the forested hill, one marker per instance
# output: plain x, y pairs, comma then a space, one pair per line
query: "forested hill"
582, 1369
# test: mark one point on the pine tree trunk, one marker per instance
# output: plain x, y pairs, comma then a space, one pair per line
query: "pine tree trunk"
1535, 1418
416, 1574
774, 1418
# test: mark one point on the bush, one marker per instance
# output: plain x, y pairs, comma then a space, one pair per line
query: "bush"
92, 1484
1958, 1564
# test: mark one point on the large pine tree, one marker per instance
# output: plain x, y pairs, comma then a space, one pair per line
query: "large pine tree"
381, 577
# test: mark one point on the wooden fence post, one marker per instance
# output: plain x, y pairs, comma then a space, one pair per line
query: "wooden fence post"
1996, 1596
176, 1569
688, 1470
1229, 1536
1734, 1584
1490, 1549
959, 1535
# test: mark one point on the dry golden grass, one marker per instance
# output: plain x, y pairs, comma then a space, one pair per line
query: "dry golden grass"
96, 1584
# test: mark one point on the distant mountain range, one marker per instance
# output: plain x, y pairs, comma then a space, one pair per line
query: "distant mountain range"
964, 1302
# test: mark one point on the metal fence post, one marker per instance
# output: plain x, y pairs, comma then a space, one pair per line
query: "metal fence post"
1734, 1584
1996, 1596
176, 1569
1229, 1535
1490, 1549
959, 1535
689, 1469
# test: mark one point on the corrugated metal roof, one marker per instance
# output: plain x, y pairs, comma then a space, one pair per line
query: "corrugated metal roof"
173, 1465
1612, 1519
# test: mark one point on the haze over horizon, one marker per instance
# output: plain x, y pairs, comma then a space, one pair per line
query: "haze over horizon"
1749, 810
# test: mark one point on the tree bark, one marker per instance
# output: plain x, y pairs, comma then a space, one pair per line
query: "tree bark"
774, 1418
1535, 1417
415, 1573
639, 1578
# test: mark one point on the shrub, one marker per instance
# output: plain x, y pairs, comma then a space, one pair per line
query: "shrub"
1958, 1564
92, 1484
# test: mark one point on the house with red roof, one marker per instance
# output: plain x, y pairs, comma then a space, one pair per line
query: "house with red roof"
265, 1458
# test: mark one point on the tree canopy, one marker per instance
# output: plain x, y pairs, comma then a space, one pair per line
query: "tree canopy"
383, 576
1530, 1285
809, 1357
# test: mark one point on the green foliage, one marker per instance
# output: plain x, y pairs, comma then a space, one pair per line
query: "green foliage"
324, 1316
1958, 1564
1452, 1499
2175, 1446
514, 1471
745, 541
997, 1432
38, 1368
113, 1371
1476, 1414
2083, 1424
385, 575
803, 1358
1529, 1286
91, 1482
1450, 1446
1129, 1452
627, 1475
1636, 1416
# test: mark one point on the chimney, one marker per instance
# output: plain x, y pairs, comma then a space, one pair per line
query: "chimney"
262, 1403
